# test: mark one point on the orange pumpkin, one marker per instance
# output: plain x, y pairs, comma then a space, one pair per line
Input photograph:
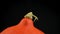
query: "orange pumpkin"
25, 26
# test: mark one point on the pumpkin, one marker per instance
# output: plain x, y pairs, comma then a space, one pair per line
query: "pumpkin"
25, 26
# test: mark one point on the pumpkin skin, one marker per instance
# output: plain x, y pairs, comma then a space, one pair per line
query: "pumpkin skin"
25, 26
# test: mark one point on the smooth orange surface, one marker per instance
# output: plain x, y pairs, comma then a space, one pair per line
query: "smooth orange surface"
25, 26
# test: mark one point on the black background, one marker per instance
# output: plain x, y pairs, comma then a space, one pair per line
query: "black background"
13, 12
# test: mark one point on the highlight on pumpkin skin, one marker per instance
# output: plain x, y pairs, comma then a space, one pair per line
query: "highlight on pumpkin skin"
25, 26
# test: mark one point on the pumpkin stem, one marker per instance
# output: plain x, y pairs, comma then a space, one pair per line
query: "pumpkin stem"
31, 15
